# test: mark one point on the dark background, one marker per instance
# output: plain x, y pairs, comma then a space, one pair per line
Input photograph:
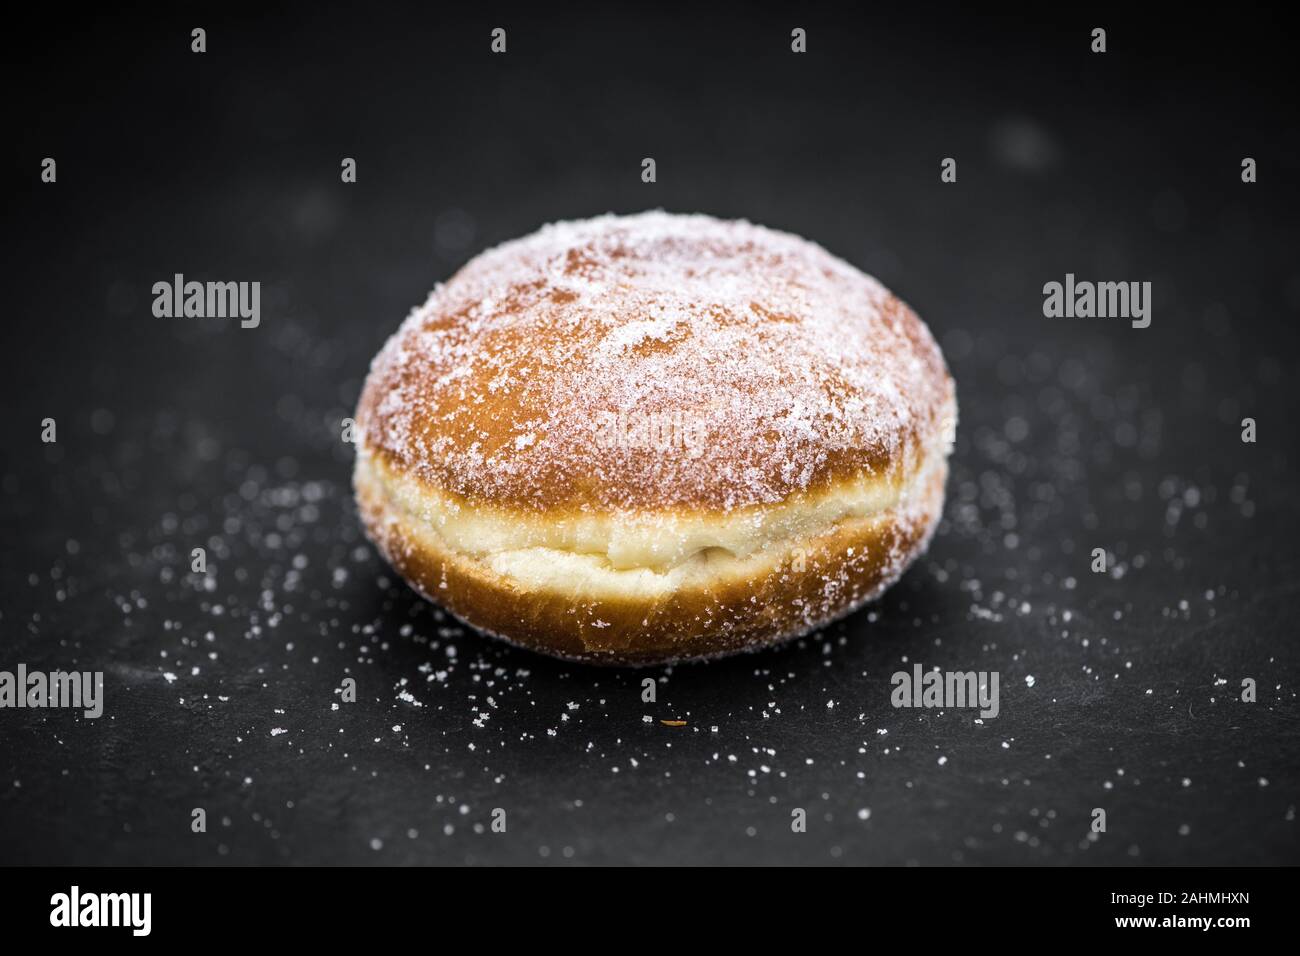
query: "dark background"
1075, 434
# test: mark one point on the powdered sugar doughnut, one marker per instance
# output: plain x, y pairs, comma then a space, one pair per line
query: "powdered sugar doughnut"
638, 439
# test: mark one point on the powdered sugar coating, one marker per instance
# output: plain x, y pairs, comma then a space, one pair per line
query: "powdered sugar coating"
655, 361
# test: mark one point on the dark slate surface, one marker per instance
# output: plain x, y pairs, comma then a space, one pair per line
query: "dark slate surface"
1118, 691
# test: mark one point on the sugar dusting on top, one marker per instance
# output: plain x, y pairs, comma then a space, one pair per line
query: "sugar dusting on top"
654, 360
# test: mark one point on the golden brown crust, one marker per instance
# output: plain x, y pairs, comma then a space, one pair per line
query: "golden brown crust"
654, 362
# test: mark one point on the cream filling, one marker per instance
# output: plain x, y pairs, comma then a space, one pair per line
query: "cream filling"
641, 555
